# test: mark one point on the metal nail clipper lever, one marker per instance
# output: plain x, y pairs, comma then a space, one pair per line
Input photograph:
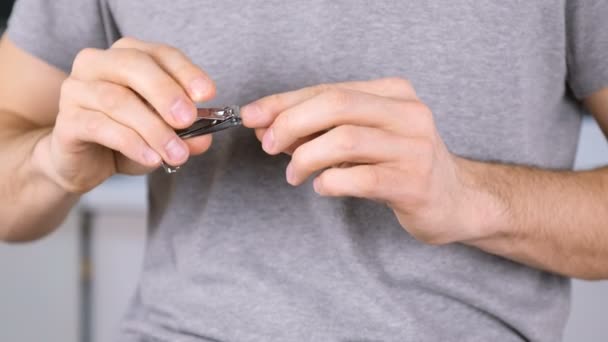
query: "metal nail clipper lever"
209, 120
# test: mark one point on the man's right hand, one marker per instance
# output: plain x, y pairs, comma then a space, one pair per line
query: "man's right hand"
117, 114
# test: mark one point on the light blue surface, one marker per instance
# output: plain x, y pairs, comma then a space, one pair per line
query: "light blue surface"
593, 148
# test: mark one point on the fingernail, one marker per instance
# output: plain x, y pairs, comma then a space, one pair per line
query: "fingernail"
175, 150
316, 184
182, 112
199, 88
151, 157
289, 174
268, 141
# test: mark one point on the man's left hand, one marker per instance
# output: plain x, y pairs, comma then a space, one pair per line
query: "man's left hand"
373, 140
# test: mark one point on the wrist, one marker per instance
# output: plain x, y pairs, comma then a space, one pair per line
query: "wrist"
37, 204
484, 207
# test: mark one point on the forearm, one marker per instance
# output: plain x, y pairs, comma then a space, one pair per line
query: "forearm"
31, 205
557, 221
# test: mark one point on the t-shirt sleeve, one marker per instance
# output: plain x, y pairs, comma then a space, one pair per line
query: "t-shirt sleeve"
587, 43
56, 30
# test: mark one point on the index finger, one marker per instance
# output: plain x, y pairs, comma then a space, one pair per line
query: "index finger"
191, 77
263, 112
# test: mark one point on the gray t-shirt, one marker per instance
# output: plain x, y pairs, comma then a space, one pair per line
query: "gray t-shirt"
235, 254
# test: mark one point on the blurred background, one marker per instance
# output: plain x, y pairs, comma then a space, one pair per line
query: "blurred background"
5, 11
75, 285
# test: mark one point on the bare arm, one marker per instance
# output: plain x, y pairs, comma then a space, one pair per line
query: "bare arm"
557, 221
29, 93
62, 135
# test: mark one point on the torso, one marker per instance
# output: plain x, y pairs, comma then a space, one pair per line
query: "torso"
237, 254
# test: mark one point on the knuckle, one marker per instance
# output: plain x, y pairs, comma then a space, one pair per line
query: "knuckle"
153, 131
184, 70
421, 113
182, 66
86, 54
406, 106
346, 138
277, 100
319, 89
131, 57
128, 60
419, 108
401, 84
83, 58
338, 98
370, 180
124, 42
112, 97
121, 138
285, 122
427, 117
167, 51
166, 85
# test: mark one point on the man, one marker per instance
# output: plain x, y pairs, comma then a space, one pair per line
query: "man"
435, 209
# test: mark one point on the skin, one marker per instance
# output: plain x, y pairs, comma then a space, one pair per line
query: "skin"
115, 113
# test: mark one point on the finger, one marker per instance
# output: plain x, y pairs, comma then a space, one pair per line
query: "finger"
346, 144
192, 78
95, 127
259, 133
363, 181
262, 113
126, 108
199, 145
137, 70
291, 149
343, 107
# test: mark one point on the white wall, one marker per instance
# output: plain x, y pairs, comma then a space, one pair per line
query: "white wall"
118, 252
119, 233
39, 288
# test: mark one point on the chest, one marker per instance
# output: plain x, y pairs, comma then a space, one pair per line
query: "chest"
333, 40
475, 63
